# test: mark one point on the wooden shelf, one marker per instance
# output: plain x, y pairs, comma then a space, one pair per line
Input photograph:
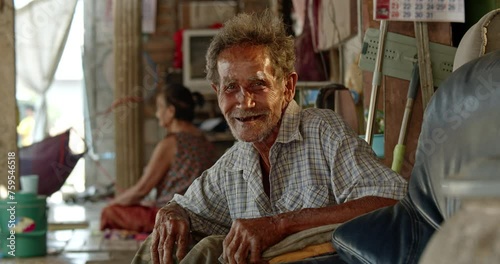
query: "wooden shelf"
312, 84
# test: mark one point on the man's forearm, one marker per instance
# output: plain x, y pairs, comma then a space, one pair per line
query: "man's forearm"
293, 222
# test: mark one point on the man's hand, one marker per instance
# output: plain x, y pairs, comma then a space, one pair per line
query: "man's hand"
250, 237
171, 229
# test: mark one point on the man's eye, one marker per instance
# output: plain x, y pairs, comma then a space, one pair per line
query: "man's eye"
258, 86
229, 88
259, 83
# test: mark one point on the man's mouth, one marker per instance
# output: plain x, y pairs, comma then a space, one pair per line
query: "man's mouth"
248, 118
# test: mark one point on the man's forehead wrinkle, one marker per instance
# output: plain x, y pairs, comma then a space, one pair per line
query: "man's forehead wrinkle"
254, 67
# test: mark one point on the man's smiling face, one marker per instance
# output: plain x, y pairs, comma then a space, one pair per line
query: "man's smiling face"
251, 97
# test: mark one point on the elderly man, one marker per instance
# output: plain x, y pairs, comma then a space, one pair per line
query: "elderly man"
290, 170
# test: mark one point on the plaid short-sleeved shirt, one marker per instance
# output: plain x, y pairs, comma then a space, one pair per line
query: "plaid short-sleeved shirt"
316, 161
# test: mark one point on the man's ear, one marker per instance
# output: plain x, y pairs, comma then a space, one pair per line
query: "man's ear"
214, 86
290, 84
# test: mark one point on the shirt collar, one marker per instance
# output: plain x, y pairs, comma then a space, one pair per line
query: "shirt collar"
289, 129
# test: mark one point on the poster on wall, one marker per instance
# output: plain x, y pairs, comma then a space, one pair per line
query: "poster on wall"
419, 10
149, 16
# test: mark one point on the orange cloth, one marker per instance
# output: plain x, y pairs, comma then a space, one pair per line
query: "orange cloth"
133, 218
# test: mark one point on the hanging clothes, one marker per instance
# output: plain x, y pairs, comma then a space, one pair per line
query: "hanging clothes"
330, 21
310, 65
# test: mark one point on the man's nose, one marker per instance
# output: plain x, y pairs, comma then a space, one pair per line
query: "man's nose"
245, 99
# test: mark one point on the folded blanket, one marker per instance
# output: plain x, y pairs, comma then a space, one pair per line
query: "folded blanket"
301, 245
307, 252
308, 243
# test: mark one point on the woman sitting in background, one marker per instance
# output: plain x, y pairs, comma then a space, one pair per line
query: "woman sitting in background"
176, 161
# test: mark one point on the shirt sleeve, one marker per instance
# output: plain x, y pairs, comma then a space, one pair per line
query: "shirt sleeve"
206, 205
357, 172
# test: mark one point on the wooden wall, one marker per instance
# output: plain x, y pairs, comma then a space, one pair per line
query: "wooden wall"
392, 98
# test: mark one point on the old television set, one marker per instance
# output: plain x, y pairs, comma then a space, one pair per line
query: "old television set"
195, 43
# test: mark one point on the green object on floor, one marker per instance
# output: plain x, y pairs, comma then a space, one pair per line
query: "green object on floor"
23, 225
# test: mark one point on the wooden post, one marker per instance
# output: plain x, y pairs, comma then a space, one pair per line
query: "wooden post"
8, 106
128, 92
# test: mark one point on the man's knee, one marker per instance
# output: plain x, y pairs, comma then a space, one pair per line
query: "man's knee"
207, 250
143, 255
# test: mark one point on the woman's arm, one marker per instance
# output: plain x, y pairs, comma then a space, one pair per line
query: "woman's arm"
156, 169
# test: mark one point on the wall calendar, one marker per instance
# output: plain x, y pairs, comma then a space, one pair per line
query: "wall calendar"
419, 10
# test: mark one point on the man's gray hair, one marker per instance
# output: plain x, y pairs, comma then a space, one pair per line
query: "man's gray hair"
258, 29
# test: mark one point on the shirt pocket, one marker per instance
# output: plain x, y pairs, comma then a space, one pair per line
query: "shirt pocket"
311, 196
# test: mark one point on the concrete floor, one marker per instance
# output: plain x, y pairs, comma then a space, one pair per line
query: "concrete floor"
80, 245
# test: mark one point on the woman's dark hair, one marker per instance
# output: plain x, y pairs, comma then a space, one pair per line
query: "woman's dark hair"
182, 99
